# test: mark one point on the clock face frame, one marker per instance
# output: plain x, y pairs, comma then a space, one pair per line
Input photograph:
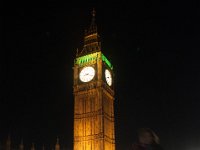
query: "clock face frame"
108, 77
87, 74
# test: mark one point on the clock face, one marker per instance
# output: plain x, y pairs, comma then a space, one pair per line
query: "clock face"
87, 74
108, 77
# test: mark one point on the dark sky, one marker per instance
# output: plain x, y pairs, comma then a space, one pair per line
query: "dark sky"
153, 46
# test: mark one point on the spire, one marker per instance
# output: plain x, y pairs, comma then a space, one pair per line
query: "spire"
21, 145
91, 39
93, 26
57, 146
93, 16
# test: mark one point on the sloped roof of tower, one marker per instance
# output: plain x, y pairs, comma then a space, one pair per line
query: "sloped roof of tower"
91, 38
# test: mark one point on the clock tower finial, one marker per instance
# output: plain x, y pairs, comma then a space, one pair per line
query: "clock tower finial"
91, 38
93, 16
93, 26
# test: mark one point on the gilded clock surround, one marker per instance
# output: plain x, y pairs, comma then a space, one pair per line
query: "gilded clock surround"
93, 100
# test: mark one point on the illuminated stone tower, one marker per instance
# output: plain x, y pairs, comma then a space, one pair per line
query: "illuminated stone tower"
93, 95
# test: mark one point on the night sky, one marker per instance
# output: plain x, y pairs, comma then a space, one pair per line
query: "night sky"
153, 46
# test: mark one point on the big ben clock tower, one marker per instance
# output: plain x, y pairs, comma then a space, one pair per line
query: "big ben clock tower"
93, 96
